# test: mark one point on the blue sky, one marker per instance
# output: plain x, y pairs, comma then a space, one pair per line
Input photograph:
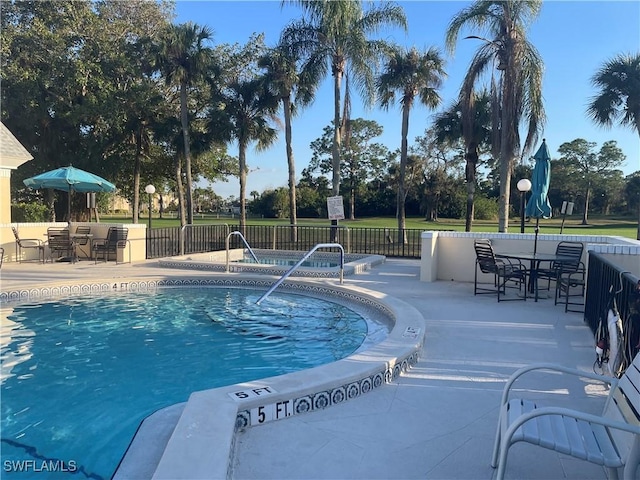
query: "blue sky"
574, 39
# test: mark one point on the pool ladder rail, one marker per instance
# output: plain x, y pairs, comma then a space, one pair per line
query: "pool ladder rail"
300, 262
239, 234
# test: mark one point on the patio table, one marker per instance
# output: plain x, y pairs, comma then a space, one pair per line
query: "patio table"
535, 260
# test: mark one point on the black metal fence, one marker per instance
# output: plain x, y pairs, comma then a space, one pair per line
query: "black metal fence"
166, 242
607, 283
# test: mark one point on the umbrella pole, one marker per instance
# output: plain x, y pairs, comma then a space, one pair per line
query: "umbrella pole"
69, 205
535, 242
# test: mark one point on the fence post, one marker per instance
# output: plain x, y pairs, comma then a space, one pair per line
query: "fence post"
348, 240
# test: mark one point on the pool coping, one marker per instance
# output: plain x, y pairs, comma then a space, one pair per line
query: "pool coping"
202, 444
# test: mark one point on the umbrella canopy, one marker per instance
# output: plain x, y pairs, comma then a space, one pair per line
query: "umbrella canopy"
538, 205
70, 179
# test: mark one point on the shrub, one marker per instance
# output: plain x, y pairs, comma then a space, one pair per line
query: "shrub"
29, 213
485, 208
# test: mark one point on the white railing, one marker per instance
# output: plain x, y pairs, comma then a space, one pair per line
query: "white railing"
301, 261
246, 244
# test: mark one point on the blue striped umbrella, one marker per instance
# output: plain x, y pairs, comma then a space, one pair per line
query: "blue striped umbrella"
538, 205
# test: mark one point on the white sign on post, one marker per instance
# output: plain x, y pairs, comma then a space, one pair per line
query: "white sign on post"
335, 208
567, 208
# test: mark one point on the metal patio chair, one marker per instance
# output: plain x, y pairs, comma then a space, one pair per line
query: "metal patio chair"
116, 240
503, 271
61, 244
26, 244
557, 269
82, 238
570, 286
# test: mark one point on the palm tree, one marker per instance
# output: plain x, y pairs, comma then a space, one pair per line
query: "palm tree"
336, 37
407, 75
516, 79
618, 99
469, 120
283, 78
184, 59
244, 113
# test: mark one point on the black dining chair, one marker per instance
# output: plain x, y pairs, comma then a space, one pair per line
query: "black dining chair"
82, 238
116, 240
569, 265
60, 244
504, 271
570, 289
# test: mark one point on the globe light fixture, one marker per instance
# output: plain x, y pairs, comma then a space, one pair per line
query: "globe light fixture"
524, 185
150, 189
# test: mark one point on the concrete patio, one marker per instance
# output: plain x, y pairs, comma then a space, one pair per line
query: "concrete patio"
436, 421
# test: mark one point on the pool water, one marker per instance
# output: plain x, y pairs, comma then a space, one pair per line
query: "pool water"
79, 375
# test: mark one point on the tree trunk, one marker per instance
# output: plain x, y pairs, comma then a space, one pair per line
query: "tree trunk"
470, 173
587, 194
242, 160
335, 149
352, 200
509, 117
293, 220
136, 178
180, 190
402, 194
184, 119
50, 199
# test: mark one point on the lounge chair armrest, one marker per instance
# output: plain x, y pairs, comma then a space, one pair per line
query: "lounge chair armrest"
552, 368
576, 414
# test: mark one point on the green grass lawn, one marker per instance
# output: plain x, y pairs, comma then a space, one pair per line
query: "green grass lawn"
598, 225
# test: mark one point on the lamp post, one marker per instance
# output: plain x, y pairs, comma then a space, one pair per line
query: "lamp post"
150, 189
524, 185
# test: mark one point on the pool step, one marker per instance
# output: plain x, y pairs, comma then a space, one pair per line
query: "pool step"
144, 453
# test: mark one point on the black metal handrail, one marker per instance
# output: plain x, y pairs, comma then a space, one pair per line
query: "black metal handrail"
607, 282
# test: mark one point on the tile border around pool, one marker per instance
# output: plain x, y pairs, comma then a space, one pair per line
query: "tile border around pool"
189, 452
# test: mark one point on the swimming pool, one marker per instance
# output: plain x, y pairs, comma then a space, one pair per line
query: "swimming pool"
275, 262
138, 345
176, 442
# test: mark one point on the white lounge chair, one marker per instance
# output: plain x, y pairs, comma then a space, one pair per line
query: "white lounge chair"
611, 439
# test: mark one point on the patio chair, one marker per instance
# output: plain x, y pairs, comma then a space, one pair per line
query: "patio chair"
570, 250
610, 439
503, 271
116, 240
571, 287
60, 244
28, 243
82, 239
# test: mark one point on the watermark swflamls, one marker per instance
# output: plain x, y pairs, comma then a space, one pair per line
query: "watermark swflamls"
37, 466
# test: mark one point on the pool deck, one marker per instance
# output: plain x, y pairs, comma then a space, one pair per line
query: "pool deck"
436, 421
